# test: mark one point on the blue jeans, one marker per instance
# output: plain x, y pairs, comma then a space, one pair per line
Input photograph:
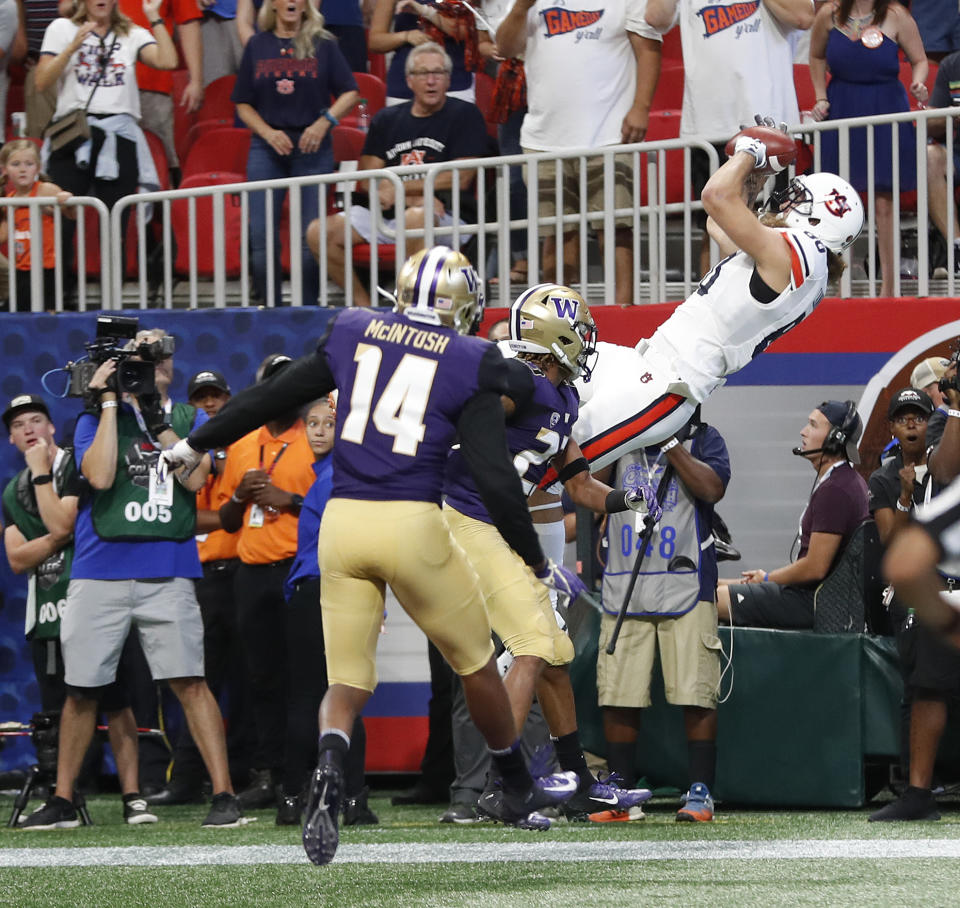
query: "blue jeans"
264, 163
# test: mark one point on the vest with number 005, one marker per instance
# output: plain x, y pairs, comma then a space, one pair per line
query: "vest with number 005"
660, 591
125, 511
47, 585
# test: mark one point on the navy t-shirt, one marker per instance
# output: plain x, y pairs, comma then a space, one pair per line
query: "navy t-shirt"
290, 93
457, 130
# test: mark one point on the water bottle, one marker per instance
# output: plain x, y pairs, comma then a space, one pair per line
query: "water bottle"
363, 115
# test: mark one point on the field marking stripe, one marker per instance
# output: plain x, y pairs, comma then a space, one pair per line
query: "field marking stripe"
474, 853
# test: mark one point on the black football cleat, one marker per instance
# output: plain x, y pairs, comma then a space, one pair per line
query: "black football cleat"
321, 834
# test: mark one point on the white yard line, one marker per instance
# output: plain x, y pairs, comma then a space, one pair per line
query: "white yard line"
408, 853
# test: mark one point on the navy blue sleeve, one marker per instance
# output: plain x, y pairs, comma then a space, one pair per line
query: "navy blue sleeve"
243, 91
712, 450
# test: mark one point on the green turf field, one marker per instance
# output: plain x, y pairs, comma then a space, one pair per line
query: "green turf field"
743, 858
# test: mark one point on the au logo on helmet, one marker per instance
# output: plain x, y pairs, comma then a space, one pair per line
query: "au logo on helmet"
836, 203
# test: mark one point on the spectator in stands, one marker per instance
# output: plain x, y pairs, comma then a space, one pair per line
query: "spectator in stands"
672, 610
923, 551
397, 28
39, 513
939, 26
860, 42
134, 566
222, 49
621, 53
91, 58
345, 20
9, 32
926, 377
156, 87
838, 504
267, 474
433, 127
945, 94
209, 391
289, 73
20, 166
35, 16
305, 664
752, 50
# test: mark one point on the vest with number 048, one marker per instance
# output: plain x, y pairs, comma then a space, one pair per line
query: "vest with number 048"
48, 581
668, 584
126, 511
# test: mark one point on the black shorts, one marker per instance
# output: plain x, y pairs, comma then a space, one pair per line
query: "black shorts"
936, 664
771, 605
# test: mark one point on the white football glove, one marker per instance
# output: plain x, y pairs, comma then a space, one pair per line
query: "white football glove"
753, 147
181, 455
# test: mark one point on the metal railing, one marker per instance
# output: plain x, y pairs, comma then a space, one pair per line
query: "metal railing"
195, 252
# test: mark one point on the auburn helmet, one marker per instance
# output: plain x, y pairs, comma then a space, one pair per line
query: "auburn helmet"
822, 204
438, 286
554, 319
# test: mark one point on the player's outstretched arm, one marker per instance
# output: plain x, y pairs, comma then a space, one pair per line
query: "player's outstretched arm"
723, 199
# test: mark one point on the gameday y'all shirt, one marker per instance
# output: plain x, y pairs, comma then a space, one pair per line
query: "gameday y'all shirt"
402, 387
457, 130
290, 93
535, 435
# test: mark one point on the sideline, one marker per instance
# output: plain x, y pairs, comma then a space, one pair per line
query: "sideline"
473, 853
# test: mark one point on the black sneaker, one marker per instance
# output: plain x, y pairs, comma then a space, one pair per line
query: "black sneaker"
261, 792
290, 811
225, 812
356, 812
320, 833
57, 813
914, 804
135, 810
173, 794
461, 814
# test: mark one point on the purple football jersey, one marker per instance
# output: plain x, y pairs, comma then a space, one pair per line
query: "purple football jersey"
536, 433
401, 388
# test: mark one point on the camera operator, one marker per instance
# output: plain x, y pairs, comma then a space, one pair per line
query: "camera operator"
135, 561
39, 511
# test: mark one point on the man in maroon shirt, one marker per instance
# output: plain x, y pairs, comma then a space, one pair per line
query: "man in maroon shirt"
839, 503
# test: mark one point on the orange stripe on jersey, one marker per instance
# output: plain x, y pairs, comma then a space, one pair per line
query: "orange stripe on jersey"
796, 262
596, 447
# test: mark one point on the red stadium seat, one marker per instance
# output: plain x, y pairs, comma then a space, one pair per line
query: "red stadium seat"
202, 126
665, 124
669, 93
374, 90
906, 77
218, 150
671, 44
182, 121
347, 143
180, 219
802, 83
159, 154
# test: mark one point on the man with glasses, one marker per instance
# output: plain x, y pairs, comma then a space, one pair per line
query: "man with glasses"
429, 129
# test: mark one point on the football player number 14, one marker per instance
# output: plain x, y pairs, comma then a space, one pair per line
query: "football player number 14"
401, 408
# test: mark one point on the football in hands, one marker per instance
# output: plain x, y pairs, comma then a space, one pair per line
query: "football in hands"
781, 150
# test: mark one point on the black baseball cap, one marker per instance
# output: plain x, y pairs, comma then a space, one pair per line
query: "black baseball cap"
910, 398
271, 365
207, 379
24, 402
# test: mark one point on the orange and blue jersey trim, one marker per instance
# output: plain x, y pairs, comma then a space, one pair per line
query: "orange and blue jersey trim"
799, 266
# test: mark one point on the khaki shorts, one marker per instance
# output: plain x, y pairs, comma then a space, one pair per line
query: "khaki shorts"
547, 190
156, 114
365, 545
689, 657
517, 603
99, 614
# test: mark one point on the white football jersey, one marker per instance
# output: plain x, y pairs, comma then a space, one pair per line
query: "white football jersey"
721, 327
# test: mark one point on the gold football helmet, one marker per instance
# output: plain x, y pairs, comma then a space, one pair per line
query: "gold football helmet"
438, 286
554, 319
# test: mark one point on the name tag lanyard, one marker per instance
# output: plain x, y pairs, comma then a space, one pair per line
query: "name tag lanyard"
276, 459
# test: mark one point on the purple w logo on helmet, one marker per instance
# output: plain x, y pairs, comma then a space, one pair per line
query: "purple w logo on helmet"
566, 307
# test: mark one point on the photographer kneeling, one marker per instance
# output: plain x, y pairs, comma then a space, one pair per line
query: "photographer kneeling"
134, 563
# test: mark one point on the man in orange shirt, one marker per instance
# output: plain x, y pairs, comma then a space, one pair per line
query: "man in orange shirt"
156, 86
268, 472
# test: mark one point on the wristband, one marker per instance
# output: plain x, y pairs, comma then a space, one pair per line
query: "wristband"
329, 116
42, 480
615, 502
155, 22
108, 404
236, 500
953, 413
904, 509
766, 576
670, 445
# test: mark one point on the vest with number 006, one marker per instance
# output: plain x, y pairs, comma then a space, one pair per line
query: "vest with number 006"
48, 581
676, 543
125, 511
